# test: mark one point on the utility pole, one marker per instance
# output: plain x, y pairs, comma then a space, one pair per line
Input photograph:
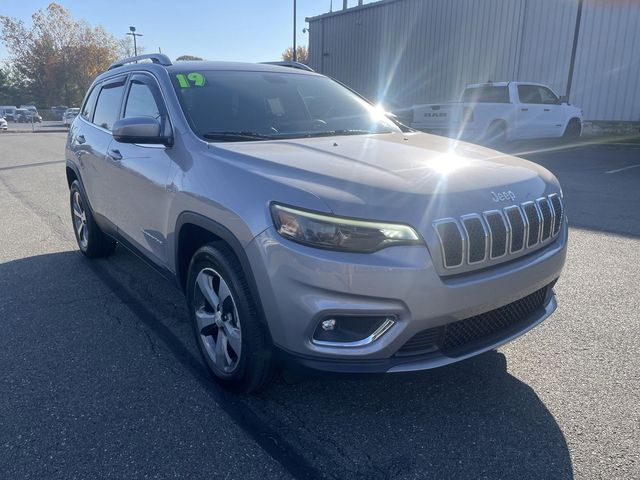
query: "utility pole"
295, 55
132, 32
574, 49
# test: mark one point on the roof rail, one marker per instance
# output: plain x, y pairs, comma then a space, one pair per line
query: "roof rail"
159, 58
291, 64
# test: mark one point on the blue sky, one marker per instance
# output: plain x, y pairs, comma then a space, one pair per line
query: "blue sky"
243, 30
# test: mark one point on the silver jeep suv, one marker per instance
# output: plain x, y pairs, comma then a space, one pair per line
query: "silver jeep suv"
307, 228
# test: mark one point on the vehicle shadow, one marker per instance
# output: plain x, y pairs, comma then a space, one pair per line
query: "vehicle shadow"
468, 420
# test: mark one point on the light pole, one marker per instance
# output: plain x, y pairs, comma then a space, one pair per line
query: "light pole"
132, 32
295, 55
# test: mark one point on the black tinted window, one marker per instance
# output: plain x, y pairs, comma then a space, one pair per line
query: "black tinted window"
529, 94
536, 94
108, 106
486, 94
141, 102
547, 96
89, 104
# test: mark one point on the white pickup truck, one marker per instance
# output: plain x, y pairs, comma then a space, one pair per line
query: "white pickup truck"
494, 113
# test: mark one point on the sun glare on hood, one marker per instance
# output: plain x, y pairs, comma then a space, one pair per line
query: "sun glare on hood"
447, 163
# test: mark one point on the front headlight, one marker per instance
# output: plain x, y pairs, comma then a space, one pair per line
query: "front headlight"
336, 233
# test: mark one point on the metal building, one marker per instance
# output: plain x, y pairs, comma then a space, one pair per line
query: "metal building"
407, 52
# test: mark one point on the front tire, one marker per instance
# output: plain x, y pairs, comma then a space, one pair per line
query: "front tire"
92, 242
233, 341
572, 131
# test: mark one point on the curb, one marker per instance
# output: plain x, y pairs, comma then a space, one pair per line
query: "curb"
617, 145
22, 132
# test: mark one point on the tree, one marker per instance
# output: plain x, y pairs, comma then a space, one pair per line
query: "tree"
125, 47
301, 52
57, 56
186, 58
13, 89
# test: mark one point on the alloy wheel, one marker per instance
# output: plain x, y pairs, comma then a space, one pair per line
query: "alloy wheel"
80, 220
217, 320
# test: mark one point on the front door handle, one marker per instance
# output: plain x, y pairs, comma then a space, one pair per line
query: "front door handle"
80, 139
524, 109
114, 154
547, 109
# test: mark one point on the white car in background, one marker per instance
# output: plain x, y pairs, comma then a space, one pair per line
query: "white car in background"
69, 115
3, 124
494, 113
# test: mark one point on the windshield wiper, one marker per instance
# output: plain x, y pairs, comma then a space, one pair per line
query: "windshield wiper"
235, 136
346, 131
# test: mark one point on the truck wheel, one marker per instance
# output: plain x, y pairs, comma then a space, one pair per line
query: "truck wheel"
573, 130
231, 338
92, 242
496, 134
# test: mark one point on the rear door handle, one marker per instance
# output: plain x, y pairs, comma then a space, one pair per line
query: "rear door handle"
80, 139
114, 154
547, 109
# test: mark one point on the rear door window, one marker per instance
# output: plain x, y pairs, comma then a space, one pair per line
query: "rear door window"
109, 102
486, 94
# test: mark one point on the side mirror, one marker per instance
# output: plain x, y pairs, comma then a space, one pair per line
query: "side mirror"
139, 130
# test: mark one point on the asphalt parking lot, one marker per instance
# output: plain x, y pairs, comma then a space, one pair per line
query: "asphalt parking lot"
100, 376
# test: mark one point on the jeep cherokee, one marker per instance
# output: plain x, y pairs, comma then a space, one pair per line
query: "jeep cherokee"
304, 225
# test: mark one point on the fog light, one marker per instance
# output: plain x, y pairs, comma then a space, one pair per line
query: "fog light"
329, 324
351, 330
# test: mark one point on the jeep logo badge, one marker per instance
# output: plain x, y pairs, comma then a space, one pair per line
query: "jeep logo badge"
503, 196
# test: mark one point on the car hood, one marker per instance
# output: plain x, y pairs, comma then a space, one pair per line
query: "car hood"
395, 177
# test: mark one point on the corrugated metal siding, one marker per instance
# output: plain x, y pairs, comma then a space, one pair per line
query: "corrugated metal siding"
547, 40
414, 51
607, 69
419, 51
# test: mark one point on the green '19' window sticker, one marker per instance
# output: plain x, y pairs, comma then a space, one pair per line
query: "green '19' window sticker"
190, 79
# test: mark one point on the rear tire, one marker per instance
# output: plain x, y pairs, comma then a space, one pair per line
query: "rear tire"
233, 341
92, 241
496, 135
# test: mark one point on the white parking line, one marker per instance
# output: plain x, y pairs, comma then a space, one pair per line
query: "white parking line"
621, 169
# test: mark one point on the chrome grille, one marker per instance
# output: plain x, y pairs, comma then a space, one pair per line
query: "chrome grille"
498, 233
558, 211
533, 219
547, 218
476, 239
518, 226
451, 241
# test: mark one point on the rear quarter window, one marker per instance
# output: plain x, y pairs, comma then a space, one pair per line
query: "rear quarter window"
90, 103
486, 94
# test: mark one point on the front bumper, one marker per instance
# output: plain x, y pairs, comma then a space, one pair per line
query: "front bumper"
299, 285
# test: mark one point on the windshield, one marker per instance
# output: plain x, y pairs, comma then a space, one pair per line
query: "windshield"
242, 106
